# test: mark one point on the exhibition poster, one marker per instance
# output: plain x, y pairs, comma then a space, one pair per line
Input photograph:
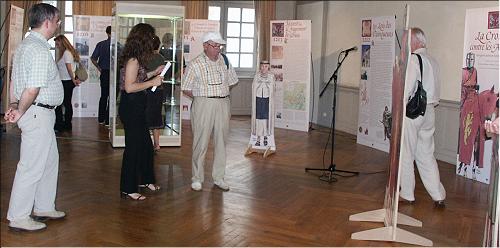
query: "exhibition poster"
87, 32
479, 93
193, 46
477, 156
377, 59
291, 65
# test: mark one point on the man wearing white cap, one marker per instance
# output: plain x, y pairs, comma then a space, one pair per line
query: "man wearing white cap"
207, 80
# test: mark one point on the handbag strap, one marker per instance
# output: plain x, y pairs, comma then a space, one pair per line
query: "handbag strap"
421, 67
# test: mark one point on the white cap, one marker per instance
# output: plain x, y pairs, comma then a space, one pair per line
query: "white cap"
213, 36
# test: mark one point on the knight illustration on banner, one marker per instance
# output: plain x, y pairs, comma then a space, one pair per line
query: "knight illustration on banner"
387, 122
475, 109
262, 127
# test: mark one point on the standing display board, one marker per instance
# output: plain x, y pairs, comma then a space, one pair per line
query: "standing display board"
290, 63
15, 36
87, 32
377, 60
477, 157
389, 214
193, 46
479, 89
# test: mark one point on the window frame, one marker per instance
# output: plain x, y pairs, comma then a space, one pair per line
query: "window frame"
224, 5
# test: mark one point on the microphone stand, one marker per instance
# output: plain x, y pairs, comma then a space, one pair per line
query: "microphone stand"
332, 168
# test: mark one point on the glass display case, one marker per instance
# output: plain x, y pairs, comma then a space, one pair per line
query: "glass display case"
168, 22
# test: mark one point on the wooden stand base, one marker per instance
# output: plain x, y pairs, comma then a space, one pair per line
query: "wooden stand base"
266, 152
389, 233
379, 216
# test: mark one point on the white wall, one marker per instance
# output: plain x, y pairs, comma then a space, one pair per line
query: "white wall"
285, 10
442, 21
314, 11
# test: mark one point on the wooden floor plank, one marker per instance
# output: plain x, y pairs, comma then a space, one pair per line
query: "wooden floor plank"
272, 202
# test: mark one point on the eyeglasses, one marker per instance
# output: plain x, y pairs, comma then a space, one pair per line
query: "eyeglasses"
216, 46
59, 23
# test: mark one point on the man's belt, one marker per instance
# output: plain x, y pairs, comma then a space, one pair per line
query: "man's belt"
218, 96
43, 105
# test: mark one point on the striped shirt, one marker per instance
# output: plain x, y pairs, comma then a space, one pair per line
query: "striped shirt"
208, 78
34, 67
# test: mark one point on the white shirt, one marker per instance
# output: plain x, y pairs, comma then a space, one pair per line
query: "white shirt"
67, 58
430, 80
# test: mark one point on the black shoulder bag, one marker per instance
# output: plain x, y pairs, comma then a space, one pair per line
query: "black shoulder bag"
416, 105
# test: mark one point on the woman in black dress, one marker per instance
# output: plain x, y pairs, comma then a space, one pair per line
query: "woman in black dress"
137, 164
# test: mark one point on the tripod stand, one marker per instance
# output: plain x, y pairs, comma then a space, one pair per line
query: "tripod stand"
329, 177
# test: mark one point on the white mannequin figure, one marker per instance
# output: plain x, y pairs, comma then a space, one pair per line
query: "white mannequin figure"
263, 88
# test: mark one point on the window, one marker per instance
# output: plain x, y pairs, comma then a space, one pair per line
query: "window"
52, 43
67, 24
237, 24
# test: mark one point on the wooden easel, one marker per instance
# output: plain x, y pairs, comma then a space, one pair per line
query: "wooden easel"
267, 151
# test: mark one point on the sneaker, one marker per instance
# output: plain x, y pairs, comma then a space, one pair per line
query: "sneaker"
196, 186
53, 215
26, 225
222, 185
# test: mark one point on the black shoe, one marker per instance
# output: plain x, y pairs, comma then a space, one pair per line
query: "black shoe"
439, 204
68, 127
403, 200
58, 128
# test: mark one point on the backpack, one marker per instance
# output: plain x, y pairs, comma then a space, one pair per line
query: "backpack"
417, 104
80, 71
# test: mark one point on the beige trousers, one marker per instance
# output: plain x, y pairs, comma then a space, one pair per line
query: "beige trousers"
35, 182
418, 146
209, 115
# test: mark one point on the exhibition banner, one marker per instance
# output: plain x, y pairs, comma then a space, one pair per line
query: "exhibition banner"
477, 157
87, 32
479, 92
15, 36
193, 46
377, 60
291, 65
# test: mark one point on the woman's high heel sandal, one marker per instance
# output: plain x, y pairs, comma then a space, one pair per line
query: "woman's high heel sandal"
132, 196
150, 186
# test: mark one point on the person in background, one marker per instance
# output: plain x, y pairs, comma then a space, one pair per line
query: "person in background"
155, 99
36, 90
100, 58
208, 79
137, 164
418, 144
67, 56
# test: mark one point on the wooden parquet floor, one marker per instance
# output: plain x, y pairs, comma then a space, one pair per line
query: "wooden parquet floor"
272, 202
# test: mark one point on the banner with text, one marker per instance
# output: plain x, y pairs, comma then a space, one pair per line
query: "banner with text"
375, 86
87, 32
479, 92
193, 46
291, 65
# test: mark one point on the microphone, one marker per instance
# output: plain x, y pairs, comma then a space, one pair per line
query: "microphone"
354, 48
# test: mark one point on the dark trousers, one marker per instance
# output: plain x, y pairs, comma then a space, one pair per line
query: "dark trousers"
103, 115
137, 163
64, 121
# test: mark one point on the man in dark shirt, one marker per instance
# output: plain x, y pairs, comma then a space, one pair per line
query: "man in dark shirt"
100, 58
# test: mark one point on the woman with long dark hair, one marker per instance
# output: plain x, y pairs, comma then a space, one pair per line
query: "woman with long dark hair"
137, 164
66, 64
